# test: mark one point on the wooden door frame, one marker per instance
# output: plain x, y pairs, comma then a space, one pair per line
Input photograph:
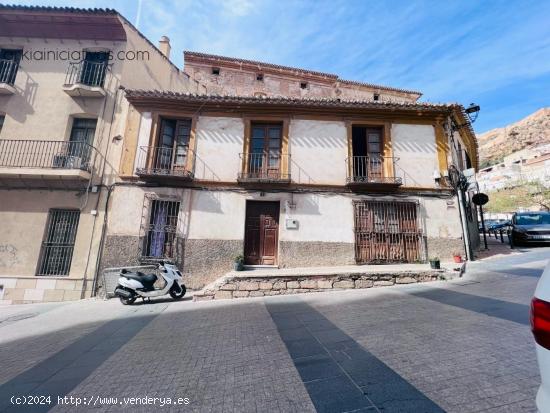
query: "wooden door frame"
249, 120
156, 130
385, 144
278, 203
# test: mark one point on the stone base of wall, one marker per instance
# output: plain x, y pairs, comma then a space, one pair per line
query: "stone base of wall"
28, 290
444, 247
315, 254
120, 251
241, 287
205, 260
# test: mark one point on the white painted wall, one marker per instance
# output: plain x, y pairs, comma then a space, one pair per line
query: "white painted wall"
318, 151
325, 218
441, 217
415, 147
219, 143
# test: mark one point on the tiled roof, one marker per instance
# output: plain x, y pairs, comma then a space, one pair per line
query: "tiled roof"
374, 86
57, 9
188, 53
317, 102
331, 76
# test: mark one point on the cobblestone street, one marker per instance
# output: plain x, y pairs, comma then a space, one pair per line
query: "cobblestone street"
456, 346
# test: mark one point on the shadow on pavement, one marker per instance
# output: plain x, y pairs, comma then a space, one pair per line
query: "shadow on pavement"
339, 374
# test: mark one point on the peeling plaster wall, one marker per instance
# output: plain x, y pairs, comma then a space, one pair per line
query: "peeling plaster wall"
243, 82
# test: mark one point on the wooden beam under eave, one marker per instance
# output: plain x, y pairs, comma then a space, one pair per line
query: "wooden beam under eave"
349, 132
129, 148
192, 149
442, 147
285, 161
246, 145
389, 169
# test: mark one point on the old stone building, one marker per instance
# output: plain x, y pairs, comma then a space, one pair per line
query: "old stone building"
62, 115
285, 177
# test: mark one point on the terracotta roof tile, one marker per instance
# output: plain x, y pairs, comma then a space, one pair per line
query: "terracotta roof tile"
331, 102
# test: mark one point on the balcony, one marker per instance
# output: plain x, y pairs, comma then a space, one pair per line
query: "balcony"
86, 79
266, 168
8, 71
35, 163
161, 163
372, 172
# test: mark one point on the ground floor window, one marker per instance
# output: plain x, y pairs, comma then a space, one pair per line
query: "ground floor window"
387, 231
57, 247
160, 237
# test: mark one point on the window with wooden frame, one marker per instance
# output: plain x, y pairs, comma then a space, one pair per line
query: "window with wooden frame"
370, 159
264, 157
367, 144
172, 147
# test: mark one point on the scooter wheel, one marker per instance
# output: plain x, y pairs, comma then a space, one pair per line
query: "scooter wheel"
177, 295
127, 301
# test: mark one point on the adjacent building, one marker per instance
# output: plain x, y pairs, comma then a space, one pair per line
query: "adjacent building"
62, 114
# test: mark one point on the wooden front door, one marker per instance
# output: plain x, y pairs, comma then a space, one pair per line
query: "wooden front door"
261, 233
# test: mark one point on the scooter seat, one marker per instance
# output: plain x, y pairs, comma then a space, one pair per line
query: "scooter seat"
145, 279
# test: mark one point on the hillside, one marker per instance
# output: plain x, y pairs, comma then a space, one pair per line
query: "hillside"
500, 142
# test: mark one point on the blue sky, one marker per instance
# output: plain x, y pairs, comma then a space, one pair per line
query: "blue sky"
494, 53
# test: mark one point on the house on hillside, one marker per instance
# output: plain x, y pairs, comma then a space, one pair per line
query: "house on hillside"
287, 167
62, 118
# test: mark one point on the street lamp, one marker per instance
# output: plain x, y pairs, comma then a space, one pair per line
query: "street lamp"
472, 111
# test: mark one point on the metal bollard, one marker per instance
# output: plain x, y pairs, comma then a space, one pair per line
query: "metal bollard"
501, 237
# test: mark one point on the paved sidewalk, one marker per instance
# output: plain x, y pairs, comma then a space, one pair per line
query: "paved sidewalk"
457, 346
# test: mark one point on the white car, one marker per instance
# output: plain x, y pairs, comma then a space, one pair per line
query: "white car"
540, 325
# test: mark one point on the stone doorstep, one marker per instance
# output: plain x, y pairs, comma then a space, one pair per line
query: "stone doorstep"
243, 284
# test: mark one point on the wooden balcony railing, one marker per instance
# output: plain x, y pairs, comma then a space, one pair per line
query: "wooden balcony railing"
265, 167
46, 154
369, 170
159, 161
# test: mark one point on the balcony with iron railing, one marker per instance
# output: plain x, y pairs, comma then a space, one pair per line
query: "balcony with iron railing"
8, 72
371, 172
164, 163
53, 162
86, 78
265, 167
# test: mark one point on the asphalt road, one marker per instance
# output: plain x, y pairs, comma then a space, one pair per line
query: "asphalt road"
457, 346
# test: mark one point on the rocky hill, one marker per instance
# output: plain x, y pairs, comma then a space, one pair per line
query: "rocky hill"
500, 142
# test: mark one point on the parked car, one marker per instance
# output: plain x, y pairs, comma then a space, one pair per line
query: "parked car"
488, 224
530, 227
540, 326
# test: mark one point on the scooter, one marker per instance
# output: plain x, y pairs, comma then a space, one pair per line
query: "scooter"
132, 285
